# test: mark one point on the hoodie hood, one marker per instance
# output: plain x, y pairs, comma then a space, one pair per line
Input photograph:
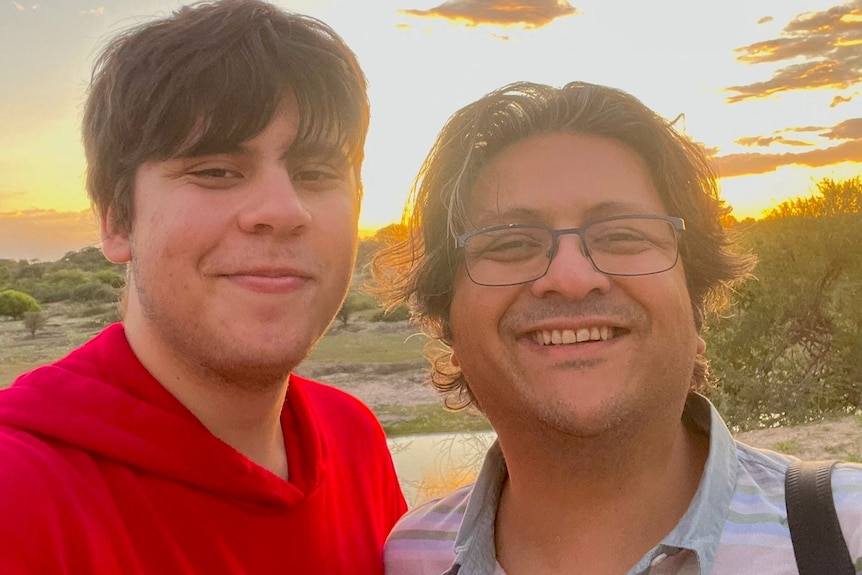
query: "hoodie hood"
100, 399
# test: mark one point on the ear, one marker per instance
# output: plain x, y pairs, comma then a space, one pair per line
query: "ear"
701, 346
115, 243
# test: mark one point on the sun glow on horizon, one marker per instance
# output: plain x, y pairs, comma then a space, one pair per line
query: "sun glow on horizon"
770, 87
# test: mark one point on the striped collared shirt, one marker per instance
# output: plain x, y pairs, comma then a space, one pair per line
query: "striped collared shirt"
736, 524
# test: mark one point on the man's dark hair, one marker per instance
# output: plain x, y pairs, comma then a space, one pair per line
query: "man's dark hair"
420, 271
208, 78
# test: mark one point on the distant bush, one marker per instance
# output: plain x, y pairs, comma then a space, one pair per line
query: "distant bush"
357, 301
51, 282
346, 311
15, 304
34, 321
110, 277
94, 292
400, 313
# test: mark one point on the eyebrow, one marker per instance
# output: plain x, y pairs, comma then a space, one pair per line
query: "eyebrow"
302, 151
317, 150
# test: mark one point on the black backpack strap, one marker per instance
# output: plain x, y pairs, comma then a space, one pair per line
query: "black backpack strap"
818, 543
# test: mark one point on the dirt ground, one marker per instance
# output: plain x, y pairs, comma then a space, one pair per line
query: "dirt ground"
393, 385
835, 439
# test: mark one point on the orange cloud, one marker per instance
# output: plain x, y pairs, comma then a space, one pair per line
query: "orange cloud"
848, 133
765, 19
829, 42
765, 141
838, 100
45, 235
847, 130
748, 164
527, 13
710, 151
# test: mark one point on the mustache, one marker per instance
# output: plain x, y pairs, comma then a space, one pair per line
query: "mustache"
538, 311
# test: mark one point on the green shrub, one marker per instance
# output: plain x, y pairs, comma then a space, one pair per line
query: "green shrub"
789, 351
110, 277
94, 291
15, 304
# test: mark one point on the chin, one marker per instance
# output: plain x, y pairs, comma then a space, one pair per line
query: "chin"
253, 375
586, 421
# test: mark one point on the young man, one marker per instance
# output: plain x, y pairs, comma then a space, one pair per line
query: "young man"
224, 146
566, 244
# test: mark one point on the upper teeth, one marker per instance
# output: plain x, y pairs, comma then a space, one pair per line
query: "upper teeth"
558, 336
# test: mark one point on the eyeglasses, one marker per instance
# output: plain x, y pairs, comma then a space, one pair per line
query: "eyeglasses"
633, 245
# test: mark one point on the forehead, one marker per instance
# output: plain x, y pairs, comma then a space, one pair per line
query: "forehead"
281, 131
562, 176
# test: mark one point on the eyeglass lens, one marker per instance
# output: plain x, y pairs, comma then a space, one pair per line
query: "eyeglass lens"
520, 254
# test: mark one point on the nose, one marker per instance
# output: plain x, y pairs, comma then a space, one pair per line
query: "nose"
273, 204
571, 273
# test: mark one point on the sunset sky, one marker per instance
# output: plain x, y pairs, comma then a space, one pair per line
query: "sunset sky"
772, 88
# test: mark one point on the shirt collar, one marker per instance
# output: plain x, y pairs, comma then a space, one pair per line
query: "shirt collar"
699, 530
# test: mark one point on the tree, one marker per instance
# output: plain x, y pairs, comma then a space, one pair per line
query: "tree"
34, 321
347, 309
15, 304
789, 349
830, 198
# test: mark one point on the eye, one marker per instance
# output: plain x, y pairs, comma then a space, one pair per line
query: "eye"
216, 173
623, 239
320, 175
314, 175
620, 235
506, 245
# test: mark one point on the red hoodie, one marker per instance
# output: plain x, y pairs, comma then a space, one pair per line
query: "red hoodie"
103, 471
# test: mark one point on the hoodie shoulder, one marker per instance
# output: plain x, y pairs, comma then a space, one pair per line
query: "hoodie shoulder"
50, 501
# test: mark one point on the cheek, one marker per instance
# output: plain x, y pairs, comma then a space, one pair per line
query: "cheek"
338, 219
476, 311
672, 312
671, 292
459, 309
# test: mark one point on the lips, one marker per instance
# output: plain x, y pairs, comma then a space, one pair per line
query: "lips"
268, 280
267, 272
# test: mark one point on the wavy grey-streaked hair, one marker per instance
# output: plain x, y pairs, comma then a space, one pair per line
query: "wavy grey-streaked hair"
420, 270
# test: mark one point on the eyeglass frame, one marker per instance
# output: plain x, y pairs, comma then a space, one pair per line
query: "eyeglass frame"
677, 223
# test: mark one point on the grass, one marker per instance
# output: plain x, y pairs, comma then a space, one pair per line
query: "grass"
785, 446
346, 347
432, 418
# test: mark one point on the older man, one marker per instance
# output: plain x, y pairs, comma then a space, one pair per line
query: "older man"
565, 243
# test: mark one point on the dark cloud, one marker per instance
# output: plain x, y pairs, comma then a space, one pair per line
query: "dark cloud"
828, 42
849, 149
765, 19
527, 13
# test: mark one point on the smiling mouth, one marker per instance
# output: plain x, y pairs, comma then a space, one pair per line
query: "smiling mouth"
570, 336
